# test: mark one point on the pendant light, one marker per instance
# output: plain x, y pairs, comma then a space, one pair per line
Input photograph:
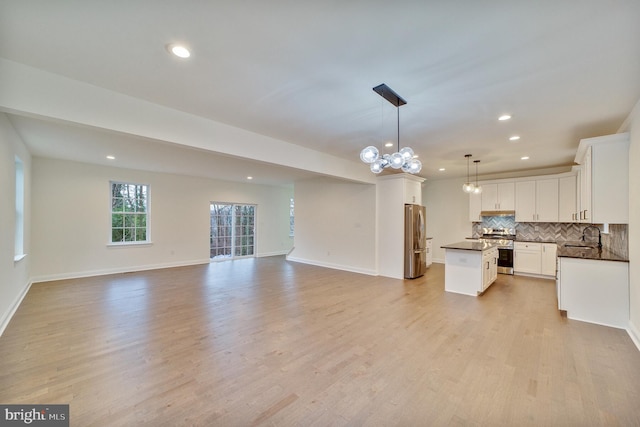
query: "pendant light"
477, 189
468, 187
403, 158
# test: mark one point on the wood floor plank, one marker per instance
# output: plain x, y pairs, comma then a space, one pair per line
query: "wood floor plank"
269, 342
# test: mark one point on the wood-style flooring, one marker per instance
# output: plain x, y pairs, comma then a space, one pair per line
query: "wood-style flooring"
266, 342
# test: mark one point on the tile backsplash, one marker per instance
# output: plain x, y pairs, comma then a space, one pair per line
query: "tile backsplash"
616, 240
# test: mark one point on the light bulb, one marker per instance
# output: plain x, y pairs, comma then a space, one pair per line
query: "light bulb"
406, 153
396, 160
468, 187
369, 154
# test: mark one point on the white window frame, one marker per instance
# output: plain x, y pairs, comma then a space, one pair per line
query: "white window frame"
147, 214
291, 217
19, 204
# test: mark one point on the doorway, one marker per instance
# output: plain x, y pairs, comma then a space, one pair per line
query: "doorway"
232, 232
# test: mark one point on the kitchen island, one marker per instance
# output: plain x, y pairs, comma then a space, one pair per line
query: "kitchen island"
470, 267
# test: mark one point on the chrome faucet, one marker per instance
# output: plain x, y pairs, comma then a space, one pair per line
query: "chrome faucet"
599, 234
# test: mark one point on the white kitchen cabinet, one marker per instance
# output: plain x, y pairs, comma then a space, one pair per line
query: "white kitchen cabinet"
534, 258
498, 197
475, 206
594, 291
527, 257
547, 200
525, 201
604, 182
413, 192
567, 199
429, 252
537, 200
585, 212
489, 267
548, 259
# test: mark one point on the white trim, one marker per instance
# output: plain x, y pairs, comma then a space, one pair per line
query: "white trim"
277, 253
634, 333
333, 266
4, 322
104, 272
128, 244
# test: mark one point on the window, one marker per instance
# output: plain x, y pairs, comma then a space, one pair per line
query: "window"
19, 202
291, 217
129, 213
232, 230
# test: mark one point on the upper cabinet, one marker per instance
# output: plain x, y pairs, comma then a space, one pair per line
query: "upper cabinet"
537, 200
498, 197
604, 179
567, 199
412, 192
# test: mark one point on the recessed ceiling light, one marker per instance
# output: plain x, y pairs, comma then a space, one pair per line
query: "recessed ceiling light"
524, 158
504, 117
442, 169
179, 51
249, 177
111, 157
389, 144
514, 138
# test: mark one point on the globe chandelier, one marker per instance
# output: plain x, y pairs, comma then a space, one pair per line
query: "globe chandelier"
403, 158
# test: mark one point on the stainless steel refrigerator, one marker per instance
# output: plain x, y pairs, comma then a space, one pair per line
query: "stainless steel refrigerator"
415, 241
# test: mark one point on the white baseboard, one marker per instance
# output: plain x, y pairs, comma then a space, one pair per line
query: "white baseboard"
103, 272
277, 253
6, 317
634, 333
333, 266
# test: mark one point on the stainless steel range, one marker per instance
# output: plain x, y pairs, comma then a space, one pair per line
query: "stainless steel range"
504, 238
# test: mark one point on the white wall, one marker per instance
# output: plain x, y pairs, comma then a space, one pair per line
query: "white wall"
634, 224
335, 225
14, 276
71, 226
447, 209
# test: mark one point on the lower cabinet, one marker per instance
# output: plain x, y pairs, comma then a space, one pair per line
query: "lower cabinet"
489, 267
548, 259
594, 291
429, 252
535, 258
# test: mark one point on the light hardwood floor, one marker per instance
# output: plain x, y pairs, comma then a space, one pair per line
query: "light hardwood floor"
267, 342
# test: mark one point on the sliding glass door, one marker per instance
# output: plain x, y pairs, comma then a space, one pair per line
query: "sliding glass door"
232, 231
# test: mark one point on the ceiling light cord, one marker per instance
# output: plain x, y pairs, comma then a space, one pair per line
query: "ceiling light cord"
468, 187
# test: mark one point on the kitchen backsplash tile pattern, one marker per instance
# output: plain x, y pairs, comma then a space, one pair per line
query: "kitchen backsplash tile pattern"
616, 241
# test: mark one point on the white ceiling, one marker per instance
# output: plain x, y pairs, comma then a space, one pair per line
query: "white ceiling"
302, 72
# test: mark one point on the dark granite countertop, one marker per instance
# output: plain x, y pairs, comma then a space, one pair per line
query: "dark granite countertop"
535, 240
470, 246
595, 253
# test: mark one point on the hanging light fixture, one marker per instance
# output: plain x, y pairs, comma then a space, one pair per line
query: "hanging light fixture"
402, 159
477, 189
468, 187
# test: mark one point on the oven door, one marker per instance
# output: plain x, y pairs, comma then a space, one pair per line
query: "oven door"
505, 260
